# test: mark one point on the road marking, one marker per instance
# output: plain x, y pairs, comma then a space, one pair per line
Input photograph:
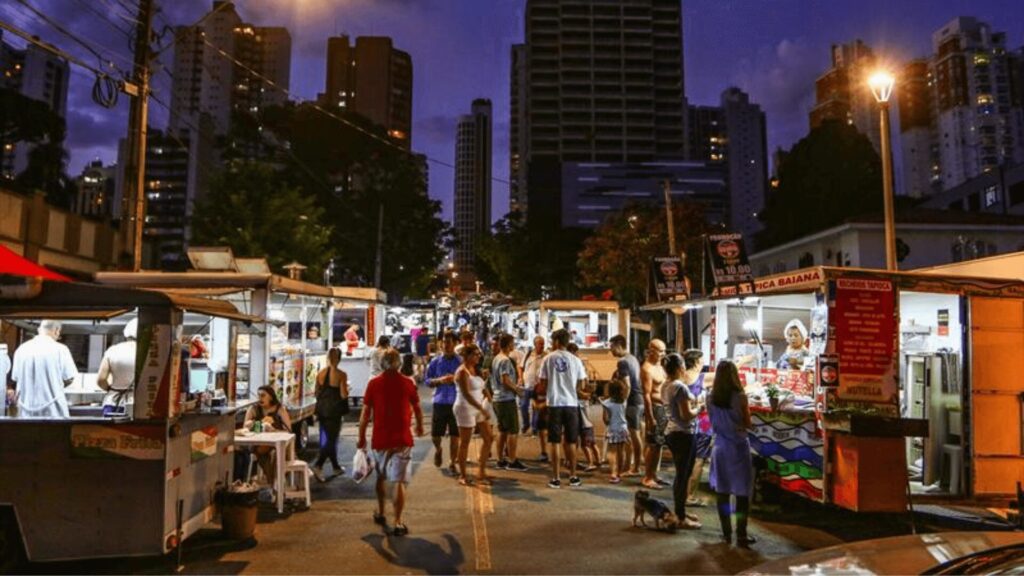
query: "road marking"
478, 503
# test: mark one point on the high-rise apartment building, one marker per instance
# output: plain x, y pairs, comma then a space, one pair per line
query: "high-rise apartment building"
746, 148
733, 135
472, 182
842, 93
604, 83
95, 195
223, 65
977, 105
374, 79
921, 175
36, 74
178, 168
517, 200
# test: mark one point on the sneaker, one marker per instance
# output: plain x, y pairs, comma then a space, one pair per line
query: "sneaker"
543, 458
555, 483
502, 464
517, 466
318, 473
339, 471
575, 482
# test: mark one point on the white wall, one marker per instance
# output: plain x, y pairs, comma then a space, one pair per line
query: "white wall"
922, 309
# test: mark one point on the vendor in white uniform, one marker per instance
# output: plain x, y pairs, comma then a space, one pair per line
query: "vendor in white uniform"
117, 371
42, 369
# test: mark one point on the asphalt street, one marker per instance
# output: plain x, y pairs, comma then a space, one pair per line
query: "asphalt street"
518, 525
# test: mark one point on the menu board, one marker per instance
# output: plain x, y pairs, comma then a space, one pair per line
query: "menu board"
667, 277
730, 269
863, 334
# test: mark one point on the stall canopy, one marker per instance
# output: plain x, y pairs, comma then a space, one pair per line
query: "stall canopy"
13, 265
75, 299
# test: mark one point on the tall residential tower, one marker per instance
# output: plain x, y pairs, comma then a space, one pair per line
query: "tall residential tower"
472, 182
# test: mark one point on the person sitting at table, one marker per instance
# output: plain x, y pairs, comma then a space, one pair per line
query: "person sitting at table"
796, 349
274, 418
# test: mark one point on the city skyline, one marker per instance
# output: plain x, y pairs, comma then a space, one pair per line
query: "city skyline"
776, 62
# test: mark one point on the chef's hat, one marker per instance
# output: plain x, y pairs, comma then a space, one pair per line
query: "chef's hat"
795, 323
131, 329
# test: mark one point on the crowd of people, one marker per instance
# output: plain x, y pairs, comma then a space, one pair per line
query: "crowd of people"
504, 396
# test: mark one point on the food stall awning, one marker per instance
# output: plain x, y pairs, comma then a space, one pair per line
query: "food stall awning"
199, 282
569, 305
357, 294
81, 300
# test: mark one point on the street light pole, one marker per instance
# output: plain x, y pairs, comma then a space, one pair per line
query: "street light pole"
881, 85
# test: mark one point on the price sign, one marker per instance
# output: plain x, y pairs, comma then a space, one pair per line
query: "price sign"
730, 269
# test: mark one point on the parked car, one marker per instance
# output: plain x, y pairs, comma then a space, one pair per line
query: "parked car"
940, 553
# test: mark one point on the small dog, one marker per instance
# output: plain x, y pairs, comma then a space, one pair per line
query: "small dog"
664, 518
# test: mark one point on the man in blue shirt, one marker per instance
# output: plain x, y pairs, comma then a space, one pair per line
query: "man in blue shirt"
441, 377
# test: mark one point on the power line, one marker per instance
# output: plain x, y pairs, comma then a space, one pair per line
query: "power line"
53, 49
60, 28
89, 6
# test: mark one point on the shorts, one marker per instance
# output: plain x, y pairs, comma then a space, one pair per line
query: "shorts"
587, 438
656, 437
703, 445
393, 465
613, 437
507, 414
443, 420
634, 416
468, 416
563, 424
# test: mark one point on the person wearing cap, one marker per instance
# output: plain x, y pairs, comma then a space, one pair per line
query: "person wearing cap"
117, 371
796, 346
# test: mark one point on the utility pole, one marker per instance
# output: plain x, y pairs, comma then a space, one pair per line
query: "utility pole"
135, 171
666, 187
380, 247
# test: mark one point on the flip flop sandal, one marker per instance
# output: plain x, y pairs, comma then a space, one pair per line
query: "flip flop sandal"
400, 530
696, 503
379, 519
465, 481
485, 481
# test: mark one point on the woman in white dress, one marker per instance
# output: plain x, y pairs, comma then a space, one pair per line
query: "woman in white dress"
472, 412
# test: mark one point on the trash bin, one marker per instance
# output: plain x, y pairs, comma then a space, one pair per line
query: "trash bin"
238, 507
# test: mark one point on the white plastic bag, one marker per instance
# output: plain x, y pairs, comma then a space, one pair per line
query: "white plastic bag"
362, 466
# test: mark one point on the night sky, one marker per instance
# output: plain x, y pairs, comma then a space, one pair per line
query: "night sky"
773, 49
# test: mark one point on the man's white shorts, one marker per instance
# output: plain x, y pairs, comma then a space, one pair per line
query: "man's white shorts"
394, 465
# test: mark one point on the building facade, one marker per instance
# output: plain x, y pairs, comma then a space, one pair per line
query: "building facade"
921, 175
95, 196
374, 79
977, 104
222, 66
999, 191
517, 197
842, 93
472, 182
36, 74
604, 83
594, 190
925, 237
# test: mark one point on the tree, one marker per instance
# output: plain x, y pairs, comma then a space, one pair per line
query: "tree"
26, 121
523, 259
253, 209
354, 177
829, 176
618, 255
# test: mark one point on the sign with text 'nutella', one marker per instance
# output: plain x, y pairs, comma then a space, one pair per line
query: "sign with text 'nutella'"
863, 319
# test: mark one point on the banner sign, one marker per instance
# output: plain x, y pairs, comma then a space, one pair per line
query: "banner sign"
204, 443
667, 277
157, 372
118, 441
828, 370
864, 319
730, 269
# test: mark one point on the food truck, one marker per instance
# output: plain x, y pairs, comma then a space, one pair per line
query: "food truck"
591, 324
290, 348
866, 385
140, 479
357, 321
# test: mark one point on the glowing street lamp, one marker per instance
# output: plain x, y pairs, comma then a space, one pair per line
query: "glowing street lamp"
882, 84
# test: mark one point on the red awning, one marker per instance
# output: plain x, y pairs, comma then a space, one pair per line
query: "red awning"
14, 265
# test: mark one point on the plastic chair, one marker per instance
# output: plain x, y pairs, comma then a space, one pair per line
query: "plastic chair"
297, 487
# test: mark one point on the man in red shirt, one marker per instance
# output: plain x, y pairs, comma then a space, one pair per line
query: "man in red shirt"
390, 401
